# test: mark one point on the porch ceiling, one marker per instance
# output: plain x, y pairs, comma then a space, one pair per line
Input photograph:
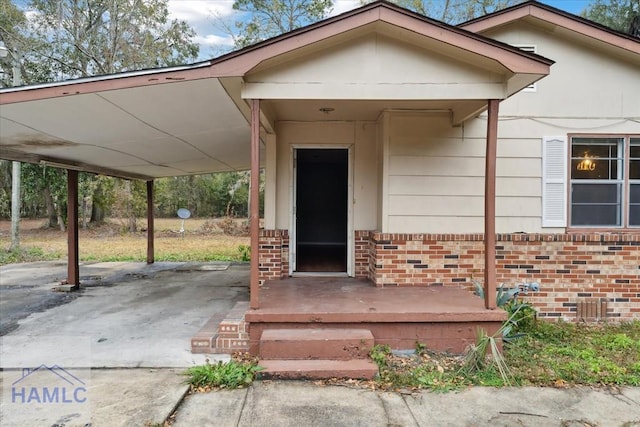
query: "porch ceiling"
178, 128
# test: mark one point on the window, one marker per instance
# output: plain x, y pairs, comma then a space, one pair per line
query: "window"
634, 182
605, 182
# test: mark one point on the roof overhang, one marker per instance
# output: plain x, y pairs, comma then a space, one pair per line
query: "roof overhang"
558, 20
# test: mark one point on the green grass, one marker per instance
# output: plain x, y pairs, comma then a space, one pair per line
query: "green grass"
232, 374
105, 243
607, 354
423, 370
31, 254
549, 354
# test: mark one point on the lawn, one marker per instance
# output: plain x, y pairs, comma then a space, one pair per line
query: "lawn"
548, 354
202, 240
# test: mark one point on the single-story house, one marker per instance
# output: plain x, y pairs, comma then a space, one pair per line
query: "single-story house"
404, 159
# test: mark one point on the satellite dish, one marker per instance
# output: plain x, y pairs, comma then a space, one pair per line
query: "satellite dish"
184, 213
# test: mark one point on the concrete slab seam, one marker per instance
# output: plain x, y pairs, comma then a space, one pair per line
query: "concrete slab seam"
244, 402
175, 407
413, 416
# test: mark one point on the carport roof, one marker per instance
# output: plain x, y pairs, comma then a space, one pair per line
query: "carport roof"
193, 119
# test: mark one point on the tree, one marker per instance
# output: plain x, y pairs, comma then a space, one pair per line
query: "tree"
269, 18
92, 37
620, 15
454, 11
80, 38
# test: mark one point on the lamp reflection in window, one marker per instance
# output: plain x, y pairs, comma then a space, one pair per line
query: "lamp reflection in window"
586, 164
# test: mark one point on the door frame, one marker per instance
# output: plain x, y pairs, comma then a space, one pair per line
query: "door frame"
293, 177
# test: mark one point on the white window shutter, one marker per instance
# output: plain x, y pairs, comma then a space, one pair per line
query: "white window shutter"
554, 181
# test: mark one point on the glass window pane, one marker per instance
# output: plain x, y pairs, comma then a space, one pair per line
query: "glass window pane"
596, 158
634, 193
595, 216
634, 169
634, 205
634, 215
634, 159
596, 205
595, 193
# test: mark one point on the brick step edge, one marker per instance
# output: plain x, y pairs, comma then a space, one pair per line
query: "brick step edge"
322, 343
317, 369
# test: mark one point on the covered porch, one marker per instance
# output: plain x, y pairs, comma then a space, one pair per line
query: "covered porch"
441, 317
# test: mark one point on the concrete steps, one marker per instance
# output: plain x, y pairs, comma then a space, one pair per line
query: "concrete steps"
316, 353
223, 333
318, 369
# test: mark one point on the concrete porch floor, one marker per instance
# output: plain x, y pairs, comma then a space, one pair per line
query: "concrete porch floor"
443, 318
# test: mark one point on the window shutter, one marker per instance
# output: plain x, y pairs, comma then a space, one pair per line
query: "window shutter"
554, 181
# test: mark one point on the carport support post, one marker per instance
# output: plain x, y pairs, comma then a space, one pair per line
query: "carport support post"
490, 207
254, 202
150, 220
73, 267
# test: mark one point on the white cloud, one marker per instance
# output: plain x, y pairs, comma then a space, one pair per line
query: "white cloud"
212, 40
199, 10
203, 14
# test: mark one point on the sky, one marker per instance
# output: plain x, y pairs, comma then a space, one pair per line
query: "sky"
201, 15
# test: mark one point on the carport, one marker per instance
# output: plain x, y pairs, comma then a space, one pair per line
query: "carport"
141, 125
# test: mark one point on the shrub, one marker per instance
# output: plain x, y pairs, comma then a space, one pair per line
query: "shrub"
231, 374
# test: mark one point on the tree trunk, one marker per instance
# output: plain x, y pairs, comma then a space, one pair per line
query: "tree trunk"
60, 217
97, 205
52, 219
131, 215
86, 206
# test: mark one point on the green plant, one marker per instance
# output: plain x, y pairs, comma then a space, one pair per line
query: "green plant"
29, 254
225, 375
245, 253
477, 360
503, 295
379, 354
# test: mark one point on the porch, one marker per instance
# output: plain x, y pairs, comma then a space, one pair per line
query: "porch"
444, 318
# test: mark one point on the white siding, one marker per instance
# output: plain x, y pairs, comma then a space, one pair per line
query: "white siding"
436, 178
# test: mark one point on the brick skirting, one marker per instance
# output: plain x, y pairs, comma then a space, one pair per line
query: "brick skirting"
570, 268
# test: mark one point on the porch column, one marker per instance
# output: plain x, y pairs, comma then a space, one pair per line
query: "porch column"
490, 207
73, 266
254, 201
150, 220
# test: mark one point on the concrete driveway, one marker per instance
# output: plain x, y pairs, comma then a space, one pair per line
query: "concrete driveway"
126, 315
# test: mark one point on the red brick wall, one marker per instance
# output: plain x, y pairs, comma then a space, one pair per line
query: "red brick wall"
569, 267
362, 254
273, 248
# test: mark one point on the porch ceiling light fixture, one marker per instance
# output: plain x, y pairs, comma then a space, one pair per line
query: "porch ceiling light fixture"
327, 110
